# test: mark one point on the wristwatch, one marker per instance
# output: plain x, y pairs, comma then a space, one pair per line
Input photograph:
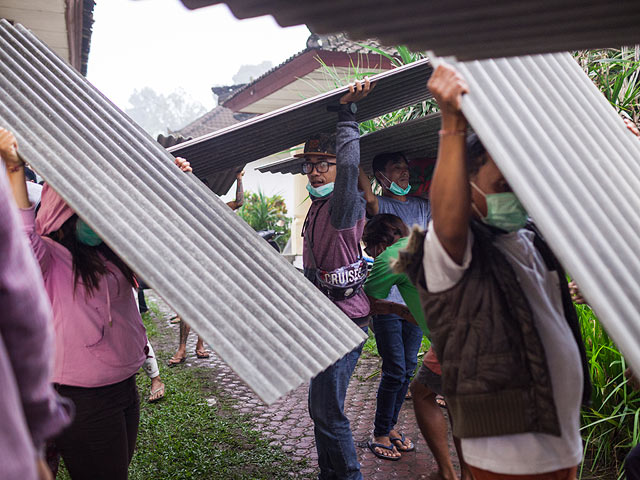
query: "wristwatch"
351, 106
346, 107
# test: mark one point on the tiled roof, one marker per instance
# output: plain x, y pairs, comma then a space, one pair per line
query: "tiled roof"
338, 42
219, 117
226, 91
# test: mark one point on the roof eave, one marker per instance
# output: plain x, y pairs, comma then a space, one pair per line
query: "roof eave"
299, 66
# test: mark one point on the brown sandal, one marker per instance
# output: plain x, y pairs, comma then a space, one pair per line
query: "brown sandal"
202, 354
176, 360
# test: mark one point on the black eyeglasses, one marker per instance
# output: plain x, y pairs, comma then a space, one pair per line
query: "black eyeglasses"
321, 167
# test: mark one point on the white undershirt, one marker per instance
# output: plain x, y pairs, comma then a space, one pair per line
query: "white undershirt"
529, 453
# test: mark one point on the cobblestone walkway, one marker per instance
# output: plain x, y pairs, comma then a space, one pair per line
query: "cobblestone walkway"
287, 421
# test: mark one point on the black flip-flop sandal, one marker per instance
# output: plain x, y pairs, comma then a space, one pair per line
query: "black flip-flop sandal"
372, 446
400, 446
171, 364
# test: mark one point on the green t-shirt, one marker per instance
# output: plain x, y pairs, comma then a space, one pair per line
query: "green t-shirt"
381, 279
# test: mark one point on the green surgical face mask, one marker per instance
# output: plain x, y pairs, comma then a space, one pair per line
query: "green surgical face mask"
504, 210
321, 191
395, 188
85, 235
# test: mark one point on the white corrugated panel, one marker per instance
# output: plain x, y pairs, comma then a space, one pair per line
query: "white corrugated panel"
271, 325
576, 168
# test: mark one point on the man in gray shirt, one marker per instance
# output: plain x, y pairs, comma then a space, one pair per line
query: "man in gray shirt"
392, 173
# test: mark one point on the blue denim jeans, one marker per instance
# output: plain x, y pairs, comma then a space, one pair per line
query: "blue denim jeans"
398, 343
632, 464
337, 456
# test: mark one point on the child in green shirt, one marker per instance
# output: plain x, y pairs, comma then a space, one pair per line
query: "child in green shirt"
384, 236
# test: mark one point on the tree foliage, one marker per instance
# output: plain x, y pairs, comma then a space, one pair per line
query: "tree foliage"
158, 113
404, 56
262, 212
616, 72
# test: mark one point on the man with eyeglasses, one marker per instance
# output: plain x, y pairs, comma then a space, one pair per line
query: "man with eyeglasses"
333, 262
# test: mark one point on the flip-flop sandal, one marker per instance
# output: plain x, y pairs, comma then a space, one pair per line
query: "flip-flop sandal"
174, 362
202, 355
372, 446
400, 446
153, 392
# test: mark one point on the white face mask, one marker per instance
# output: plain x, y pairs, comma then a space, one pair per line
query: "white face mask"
504, 210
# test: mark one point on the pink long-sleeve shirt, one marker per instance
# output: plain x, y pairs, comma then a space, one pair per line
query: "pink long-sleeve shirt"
100, 337
30, 410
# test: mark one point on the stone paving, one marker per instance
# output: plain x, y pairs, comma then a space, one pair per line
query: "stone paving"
287, 423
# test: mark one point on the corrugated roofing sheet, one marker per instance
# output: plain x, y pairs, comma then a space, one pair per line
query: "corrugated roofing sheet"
468, 29
220, 117
271, 325
416, 139
576, 168
284, 128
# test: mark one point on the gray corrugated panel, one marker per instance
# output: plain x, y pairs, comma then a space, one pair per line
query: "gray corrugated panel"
276, 131
257, 312
576, 168
416, 139
219, 182
468, 29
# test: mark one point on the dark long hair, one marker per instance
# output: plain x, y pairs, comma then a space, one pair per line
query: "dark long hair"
383, 228
89, 262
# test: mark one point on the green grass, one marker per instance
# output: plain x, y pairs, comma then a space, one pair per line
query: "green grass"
182, 437
610, 427
147, 319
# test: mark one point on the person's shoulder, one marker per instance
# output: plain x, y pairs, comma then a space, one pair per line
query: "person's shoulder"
393, 251
383, 199
523, 236
418, 200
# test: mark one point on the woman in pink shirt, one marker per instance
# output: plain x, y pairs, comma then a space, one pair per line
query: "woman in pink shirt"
100, 338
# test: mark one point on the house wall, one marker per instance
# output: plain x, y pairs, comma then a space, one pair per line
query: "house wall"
45, 18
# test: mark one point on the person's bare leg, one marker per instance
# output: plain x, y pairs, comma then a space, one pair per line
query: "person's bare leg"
433, 427
464, 468
181, 354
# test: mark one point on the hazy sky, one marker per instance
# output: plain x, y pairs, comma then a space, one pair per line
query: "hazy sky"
163, 45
